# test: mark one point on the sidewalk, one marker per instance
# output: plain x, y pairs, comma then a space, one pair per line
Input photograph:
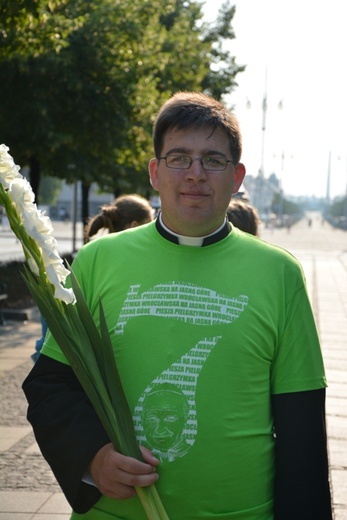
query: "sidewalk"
28, 490
322, 251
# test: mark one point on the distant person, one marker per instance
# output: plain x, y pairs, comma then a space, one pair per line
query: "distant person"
289, 223
124, 212
64, 215
243, 216
40, 341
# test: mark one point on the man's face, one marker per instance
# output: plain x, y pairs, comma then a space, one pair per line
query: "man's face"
164, 417
194, 201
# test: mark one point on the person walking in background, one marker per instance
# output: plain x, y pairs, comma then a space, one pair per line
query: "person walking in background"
243, 216
39, 343
216, 347
125, 212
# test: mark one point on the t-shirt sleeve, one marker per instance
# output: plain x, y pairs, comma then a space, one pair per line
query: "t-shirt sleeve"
298, 363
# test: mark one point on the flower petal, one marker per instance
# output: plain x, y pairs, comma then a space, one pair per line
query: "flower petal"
8, 169
37, 226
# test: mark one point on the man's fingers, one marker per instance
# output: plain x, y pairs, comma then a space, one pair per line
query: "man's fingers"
122, 484
137, 467
117, 475
149, 457
119, 491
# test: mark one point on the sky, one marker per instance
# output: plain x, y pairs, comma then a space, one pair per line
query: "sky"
296, 55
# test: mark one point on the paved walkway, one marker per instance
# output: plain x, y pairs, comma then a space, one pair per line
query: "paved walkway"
28, 490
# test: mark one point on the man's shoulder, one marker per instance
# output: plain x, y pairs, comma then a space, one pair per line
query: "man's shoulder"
260, 249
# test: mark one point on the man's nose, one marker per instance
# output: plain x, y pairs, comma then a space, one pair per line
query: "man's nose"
196, 169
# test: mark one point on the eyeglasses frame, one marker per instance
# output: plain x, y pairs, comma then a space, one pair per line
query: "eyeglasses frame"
192, 159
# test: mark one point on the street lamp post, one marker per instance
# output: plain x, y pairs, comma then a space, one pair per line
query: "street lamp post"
263, 127
259, 193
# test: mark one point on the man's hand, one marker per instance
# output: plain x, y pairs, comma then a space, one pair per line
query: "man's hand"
117, 475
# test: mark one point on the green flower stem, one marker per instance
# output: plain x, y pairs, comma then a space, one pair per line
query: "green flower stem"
151, 503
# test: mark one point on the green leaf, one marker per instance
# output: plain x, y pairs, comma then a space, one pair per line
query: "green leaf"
118, 398
65, 330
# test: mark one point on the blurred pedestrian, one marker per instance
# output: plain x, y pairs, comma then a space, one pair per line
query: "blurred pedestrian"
124, 212
39, 343
244, 216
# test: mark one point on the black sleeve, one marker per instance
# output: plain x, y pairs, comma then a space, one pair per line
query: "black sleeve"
302, 489
66, 427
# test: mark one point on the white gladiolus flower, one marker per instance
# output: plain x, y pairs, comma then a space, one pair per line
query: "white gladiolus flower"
54, 276
36, 224
39, 227
8, 169
21, 194
51, 262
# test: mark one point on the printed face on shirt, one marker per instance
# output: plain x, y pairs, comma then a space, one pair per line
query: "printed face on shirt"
164, 417
194, 201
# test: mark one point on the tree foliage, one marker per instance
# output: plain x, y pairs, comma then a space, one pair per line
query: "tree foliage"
338, 208
82, 81
281, 206
49, 190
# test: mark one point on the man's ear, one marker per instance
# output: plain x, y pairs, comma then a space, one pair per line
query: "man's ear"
239, 175
153, 173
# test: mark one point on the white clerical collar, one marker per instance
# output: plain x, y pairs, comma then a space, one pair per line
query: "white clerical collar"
194, 241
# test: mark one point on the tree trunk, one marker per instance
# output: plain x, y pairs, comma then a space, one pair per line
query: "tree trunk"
85, 203
35, 176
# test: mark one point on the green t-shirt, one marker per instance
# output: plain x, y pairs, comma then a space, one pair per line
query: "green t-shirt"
203, 336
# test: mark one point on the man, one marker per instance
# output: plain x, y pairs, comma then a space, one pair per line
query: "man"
204, 319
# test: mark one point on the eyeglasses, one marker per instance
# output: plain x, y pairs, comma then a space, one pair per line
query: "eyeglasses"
213, 163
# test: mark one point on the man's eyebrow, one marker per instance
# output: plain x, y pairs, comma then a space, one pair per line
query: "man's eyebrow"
213, 152
178, 150
188, 151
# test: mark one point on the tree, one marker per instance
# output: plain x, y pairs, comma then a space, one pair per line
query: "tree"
83, 80
336, 213
50, 188
221, 76
281, 206
75, 98
30, 31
